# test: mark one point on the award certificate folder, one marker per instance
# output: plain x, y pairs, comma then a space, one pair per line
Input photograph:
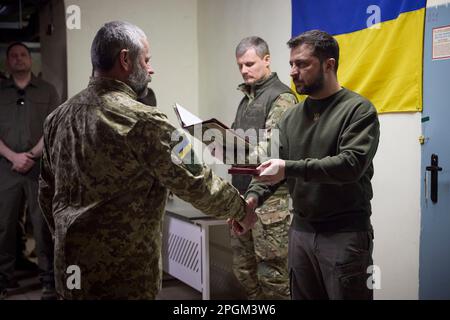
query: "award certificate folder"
230, 139
244, 170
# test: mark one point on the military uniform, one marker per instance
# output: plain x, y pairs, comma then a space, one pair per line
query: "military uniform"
260, 256
22, 114
108, 163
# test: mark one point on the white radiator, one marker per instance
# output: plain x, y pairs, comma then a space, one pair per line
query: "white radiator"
186, 253
182, 251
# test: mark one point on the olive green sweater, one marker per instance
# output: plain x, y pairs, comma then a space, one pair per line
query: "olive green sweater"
328, 146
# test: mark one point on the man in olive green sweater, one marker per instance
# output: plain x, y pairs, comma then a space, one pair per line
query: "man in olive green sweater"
326, 145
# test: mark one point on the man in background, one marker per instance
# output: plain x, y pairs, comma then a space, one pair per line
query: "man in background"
260, 255
25, 102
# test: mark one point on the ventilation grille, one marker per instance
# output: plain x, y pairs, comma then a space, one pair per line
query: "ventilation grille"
182, 251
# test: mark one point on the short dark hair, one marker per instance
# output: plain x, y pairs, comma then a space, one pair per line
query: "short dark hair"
17, 43
260, 46
324, 45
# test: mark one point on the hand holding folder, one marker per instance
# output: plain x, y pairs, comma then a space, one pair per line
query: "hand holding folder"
224, 138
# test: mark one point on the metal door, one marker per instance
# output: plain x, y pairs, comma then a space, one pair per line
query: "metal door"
434, 268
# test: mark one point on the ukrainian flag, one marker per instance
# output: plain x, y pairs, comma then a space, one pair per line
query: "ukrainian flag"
381, 45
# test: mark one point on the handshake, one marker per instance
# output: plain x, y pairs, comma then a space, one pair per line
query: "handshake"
241, 227
270, 172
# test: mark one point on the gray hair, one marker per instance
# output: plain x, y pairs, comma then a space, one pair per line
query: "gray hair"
110, 39
260, 46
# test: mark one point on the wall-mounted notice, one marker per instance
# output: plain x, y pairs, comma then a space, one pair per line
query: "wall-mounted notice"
441, 43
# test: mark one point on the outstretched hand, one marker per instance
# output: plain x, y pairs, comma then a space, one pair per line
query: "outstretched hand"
271, 171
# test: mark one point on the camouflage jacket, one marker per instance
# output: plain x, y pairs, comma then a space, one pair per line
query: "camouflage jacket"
275, 208
108, 163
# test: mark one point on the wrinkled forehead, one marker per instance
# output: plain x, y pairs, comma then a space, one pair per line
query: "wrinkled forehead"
145, 46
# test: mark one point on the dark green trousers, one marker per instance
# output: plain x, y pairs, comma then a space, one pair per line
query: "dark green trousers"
15, 189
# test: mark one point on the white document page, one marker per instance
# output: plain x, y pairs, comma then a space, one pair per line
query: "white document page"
186, 117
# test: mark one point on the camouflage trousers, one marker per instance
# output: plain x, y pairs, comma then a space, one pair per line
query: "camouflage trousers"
260, 255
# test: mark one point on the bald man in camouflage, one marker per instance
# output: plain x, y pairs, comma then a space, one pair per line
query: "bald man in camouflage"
260, 255
108, 163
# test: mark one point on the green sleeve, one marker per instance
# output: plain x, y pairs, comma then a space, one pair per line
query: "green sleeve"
278, 108
357, 147
278, 143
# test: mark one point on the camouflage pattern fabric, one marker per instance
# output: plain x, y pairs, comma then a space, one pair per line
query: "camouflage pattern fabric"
108, 163
260, 256
284, 101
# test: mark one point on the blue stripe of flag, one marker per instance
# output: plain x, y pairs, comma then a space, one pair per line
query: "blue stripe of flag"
344, 16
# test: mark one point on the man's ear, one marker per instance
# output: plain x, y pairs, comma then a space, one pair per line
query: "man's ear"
330, 65
266, 59
125, 60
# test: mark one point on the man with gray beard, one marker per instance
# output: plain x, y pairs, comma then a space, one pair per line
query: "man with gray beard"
108, 163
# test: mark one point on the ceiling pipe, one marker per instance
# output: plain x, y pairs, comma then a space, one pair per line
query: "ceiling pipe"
20, 15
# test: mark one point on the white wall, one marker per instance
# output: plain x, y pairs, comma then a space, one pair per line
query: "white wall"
222, 24
396, 204
171, 27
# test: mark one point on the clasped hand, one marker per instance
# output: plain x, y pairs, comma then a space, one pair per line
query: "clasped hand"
22, 162
241, 227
